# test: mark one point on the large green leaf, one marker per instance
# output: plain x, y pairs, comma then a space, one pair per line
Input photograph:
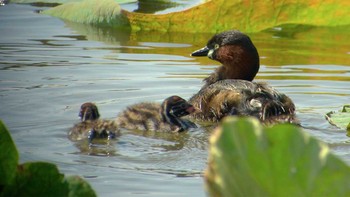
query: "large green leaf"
103, 12
63, 1
78, 187
8, 156
211, 16
340, 119
247, 159
44, 179
34, 178
44, 1
37, 179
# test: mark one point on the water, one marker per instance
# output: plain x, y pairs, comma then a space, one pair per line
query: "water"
48, 68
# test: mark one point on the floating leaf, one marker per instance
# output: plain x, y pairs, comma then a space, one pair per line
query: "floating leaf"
34, 178
340, 119
249, 160
8, 156
103, 12
44, 1
63, 1
78, 187
37, 179
211, 16
44, 179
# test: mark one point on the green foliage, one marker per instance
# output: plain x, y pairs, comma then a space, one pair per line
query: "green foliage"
100, 12
63, 1
78, 187
44, 1
37, 178
8, 156
211, 16
34, 178
340, 119
247, 159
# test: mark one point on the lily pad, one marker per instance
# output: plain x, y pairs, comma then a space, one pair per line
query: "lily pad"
63, 1
79, 187
102, 12
211, 16
34, 178
340, 119
44, 1
37, 179
8, 156
247, 159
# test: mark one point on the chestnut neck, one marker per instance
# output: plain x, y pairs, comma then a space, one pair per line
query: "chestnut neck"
238, 62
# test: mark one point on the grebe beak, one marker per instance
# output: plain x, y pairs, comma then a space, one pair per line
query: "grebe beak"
201, 52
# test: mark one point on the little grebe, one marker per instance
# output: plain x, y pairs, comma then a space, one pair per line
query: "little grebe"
230, 90
164, 117
91, 126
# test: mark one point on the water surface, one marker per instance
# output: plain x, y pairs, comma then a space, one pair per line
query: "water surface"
49, 67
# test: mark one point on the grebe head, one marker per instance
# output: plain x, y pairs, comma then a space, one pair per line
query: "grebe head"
176, 106
235, 51
88, 111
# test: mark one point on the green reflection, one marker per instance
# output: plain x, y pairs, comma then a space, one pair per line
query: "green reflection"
282, 48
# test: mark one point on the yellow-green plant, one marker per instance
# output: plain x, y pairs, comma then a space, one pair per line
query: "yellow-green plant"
212, 16
247, 159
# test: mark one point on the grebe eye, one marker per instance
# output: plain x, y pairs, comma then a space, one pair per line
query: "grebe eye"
183, 105
216, 46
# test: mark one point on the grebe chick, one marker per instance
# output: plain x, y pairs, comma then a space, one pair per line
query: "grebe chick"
227, 89
165, 117
263, 106
91, 126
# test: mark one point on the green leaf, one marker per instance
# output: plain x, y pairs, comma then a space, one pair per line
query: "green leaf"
34, 178
247, 159
63, 1
44, 1
103, 12
37, 179
340, 119
8, 156
44, 179
211, 16
79, 187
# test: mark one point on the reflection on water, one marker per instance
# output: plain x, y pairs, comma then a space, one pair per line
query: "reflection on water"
48, 68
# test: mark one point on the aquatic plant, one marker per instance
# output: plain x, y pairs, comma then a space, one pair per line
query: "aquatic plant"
247, 159
340, 119
34, 178
210, 16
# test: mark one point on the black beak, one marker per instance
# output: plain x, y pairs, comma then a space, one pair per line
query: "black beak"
201, 52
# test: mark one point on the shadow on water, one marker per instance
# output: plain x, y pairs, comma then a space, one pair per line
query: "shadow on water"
145, 6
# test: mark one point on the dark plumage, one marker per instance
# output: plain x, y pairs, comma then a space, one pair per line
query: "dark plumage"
230, 90
165, 117
91, 126
88, 111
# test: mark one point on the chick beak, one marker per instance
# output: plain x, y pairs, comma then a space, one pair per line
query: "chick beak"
201, 52
190, 109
